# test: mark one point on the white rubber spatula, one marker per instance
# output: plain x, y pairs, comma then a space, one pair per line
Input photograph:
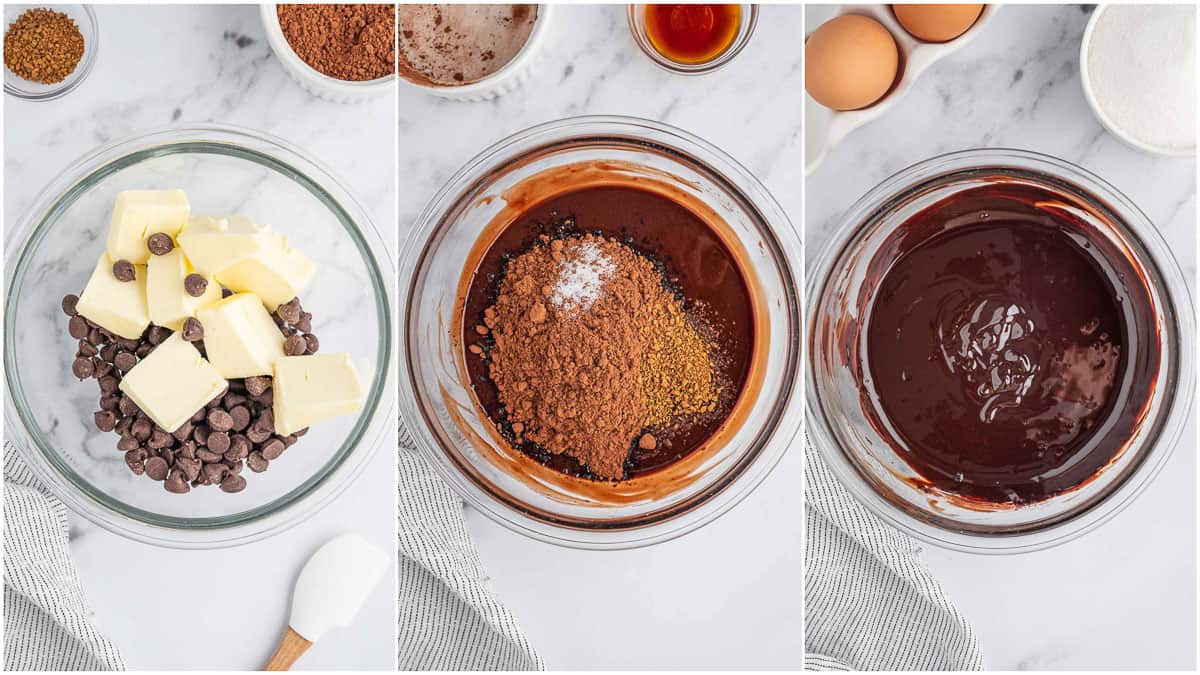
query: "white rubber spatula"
333, 585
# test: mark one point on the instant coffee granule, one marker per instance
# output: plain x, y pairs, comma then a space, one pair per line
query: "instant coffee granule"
344, 41
43, 45
590, 350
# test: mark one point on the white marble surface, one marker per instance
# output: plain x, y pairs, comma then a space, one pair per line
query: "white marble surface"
215, 610
1123, 597
727, 596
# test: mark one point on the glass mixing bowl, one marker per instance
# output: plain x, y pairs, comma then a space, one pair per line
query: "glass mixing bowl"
50, 253
458, 439
85, 19
844, 420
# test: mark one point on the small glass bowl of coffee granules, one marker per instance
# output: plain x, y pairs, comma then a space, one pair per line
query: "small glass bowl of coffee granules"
345, 53
48, 49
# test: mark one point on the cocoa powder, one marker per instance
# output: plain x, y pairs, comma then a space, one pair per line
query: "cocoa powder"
591, 353
344, 41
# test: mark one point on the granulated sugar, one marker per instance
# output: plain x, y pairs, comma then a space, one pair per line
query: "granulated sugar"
581, 278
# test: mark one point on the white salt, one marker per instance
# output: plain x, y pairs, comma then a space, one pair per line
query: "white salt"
581, 278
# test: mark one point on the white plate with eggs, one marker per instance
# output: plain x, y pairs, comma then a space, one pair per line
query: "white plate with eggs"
855, 82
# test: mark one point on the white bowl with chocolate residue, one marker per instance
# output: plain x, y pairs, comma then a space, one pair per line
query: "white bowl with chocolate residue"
488, 84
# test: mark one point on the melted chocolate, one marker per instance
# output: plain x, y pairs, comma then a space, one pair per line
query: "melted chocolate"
696, 265
1010, 346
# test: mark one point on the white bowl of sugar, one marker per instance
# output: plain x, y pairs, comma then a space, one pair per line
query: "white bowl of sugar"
1138, 69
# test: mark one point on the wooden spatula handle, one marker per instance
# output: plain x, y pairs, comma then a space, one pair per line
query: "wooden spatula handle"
291, 647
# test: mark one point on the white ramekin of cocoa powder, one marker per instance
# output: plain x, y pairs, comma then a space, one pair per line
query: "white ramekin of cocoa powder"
469, 52
341, 53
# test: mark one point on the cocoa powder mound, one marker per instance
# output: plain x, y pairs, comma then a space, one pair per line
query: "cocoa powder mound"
589, 349
347, 42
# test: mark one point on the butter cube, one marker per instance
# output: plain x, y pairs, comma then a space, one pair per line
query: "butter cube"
276, 273
138, 214
240, 337
213, 243
172, 383
119, 306
314, 388
169, 303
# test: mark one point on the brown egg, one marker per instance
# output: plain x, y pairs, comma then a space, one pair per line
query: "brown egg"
937, 23
850, 62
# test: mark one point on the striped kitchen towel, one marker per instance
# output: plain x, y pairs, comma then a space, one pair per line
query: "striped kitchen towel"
450, 619
47, 622
870, 603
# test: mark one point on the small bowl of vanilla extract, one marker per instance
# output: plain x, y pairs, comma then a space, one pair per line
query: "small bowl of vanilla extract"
692, 39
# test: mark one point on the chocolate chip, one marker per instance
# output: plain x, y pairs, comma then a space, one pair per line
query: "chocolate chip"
272, 449
157, 334
83, 368
143, 350
168, 455
257, 435
304, 325
187, 450
95, 336
199, 416
239, 447
255, 386
125, 361
233, 399
110, 402
225, 292
289, 312
195, 285
201, 434
156, 468
289, 440
126, 405
177, 483
128, 344
69, 302
218, 442
219, 420
257, 462
160, 243
235, 465
106, 420
241, 417
103, 368
86, 349
141, 429
128, 443
160, 439
233, 483
300, 432
123, 270
123, 425
206, 455
312, 343
215, 472
193, 330
265, 399
109, 352
295, 345
136, 461
184, 431
189, 466
109, 384
78, 327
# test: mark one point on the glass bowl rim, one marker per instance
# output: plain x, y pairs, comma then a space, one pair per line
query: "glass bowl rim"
81, 72
363, 440
712, 504
1175, 291
740, 40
